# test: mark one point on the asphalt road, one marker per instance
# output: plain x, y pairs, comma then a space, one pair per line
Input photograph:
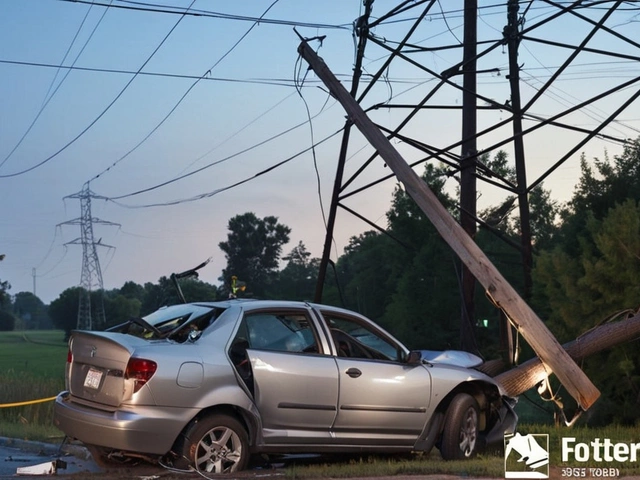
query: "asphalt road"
74, 462
17, 454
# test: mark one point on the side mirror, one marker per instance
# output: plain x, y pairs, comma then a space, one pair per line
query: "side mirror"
414, 358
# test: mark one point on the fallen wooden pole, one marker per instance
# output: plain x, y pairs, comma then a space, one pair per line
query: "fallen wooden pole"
530, 373
532, 329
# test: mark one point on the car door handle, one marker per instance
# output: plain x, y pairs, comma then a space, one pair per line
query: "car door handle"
353, 372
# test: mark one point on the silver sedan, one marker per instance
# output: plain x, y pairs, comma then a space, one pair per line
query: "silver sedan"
206, 385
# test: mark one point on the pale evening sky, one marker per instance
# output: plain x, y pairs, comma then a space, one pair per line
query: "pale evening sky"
162, 112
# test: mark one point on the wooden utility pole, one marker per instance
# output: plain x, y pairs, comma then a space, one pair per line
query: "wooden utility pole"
468, 186
528, 374
505, 297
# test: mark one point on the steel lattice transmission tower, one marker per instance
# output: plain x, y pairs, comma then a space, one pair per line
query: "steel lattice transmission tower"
91, 276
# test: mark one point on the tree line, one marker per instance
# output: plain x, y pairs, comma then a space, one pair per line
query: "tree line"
586, 268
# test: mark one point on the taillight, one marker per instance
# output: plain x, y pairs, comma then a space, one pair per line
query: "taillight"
69, 356
141, 371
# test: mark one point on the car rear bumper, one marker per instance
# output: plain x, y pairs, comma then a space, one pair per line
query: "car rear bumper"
143, 429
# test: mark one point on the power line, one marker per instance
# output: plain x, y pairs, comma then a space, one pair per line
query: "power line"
237, 132
258, 81
277, 82
299, 84
86, 129
228, 187
154, 8
48, 98
55, 234
184, 95
217, 162
41, 275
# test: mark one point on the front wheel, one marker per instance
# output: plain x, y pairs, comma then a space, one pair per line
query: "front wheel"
216, 444
461, 428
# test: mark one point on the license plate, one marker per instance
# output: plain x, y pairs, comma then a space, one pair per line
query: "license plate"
92, 380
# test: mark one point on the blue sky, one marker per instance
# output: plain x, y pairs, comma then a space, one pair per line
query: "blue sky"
243, 86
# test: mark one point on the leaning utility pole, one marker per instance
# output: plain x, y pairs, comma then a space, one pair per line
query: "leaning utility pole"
91, 276
504, 296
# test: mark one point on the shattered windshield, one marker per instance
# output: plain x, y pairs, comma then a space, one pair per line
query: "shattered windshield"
173, 314
177, 322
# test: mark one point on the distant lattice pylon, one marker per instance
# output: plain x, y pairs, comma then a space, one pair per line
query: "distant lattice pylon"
91, 276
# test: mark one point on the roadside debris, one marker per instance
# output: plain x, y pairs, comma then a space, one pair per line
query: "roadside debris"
47, 468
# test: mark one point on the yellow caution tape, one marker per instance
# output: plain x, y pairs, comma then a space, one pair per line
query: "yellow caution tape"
31, 402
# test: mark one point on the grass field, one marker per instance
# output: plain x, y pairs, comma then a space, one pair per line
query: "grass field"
42, 353
31, 368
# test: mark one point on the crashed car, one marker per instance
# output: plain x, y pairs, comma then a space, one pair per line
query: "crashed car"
207, 385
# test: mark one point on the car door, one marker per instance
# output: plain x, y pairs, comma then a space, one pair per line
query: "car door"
295, 381
382, 398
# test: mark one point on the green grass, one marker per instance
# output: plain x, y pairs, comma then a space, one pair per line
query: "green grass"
41, 353
31, 368
31, 432
534, 419
381, 466
485, 465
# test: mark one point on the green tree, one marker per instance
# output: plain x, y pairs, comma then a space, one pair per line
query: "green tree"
543, 210
7, 321
601, 279
591, 271
31, 310
600, 187
421, 278
133, 290
574, 247
195, 290
4, 296
155, 295
499, 238
543, 213
297, 280
253, 250
118, 308
64, 310
585, 289
4, 287
365, 273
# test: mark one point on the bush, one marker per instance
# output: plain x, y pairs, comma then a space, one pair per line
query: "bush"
7, 321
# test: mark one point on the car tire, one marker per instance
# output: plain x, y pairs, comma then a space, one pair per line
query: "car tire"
461, 428
215, 444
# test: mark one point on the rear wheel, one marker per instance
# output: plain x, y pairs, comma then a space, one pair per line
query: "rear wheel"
216, 444
461, 428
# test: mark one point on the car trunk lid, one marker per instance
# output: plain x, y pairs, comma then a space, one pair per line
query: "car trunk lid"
98, 365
